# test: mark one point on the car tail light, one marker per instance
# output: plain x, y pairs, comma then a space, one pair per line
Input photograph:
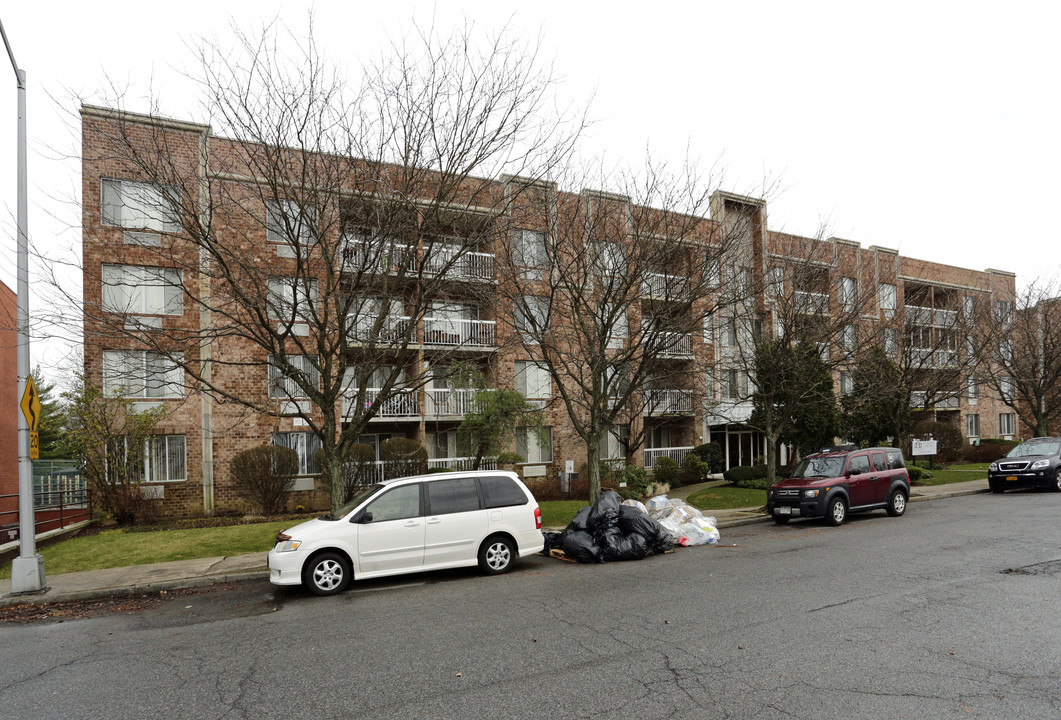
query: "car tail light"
538, 518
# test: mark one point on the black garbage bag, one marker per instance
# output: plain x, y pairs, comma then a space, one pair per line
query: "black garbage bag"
580, 545
605, 512
616, 546
634, 522
552, 540
581, 519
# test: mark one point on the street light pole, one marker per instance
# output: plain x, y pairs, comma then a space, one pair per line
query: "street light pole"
27, 570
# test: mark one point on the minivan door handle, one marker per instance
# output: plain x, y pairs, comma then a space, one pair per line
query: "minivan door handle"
412, 523
434, 521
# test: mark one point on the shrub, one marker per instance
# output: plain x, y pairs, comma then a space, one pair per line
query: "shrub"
264, 476
917, 472
665, 470
712, 454
402, 457
694, 470
747, 476
989, 450
636, 479
948, 438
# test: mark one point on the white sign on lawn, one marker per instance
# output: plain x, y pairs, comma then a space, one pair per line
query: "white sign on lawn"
924, 447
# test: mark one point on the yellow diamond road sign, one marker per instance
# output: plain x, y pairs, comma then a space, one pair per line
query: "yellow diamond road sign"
31, 405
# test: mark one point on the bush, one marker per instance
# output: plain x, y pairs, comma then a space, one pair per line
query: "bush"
989, 450
665, 470
948, 438
264, 476
694, 470
402, 457
752, 477
712, 454
636, 479
917, 472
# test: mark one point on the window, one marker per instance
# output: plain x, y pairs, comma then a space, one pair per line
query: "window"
1004, 310
501, 491
529, 253
531, 314
850, 338
142, 290
858, 464
887, 298
972, 388
1005, 350
616, 443
164, 459
306, 444
283, 381
775, 281
535, 447
618, 325
972, 426
968, 307
734, 384
612, 260
744, 281
727, 332
713, 274
1005, 387
291, 299
452, 496
1007, 423
139, 374
847, 383
848, 293
895, 459
400, 503
450, 444
285, 223
139, 206
532, 380
890, 342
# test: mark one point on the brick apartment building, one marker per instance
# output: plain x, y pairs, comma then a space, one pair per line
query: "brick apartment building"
9, 416
138, 297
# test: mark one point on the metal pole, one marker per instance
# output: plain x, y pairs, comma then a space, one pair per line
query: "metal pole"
27, 570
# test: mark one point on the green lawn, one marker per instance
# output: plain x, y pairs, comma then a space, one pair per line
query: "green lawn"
558, 513
955, 474
118, 548
725, 497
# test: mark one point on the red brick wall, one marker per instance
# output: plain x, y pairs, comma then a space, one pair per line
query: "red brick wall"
8, 406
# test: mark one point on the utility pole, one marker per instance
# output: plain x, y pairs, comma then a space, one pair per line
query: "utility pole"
27, 570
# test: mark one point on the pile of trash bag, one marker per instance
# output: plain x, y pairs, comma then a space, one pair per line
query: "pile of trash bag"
610, 531
686, 524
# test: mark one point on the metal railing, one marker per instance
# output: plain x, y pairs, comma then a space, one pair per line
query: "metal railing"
443, 401
455, 332
659, 285
62, 500
816, 302
668, 402
939, 317
378, 257
443, 260
672, 344
677, 454
400, 404
391, 330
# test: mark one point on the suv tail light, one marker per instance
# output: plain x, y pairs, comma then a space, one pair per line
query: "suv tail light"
538, 518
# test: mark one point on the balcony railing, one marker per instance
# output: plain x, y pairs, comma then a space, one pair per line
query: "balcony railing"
940, 402
400, 404
926, 357
443, 260
668, 402
677, 454
811, 302
938, 317
444, 401
671, 344
661, 286
461, 463
379, 257
459, 332
391, 330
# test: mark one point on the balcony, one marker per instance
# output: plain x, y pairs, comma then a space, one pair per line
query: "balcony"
926, 357
441, 402
402, 404
391, 330
458, 332
935, 317
668, 402
664, 287
677, 454
378, 257
380, 470
443, 260
941, 402
811, 302
671, 344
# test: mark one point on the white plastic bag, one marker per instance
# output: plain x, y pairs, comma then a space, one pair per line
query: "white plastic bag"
636, 504
660, 501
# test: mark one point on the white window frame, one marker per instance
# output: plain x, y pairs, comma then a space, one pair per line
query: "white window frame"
615, 440
890, 342
529, 253
968, 307
850, 338
142, 290
848, 293
972, 425
1004, 310
1007, 423
972, 388
888, 297
537, 311
847, 383
534, 447
285, 388
142, 374
291, 298
532, 380
165, 447
305, 444
137, 206
275, 232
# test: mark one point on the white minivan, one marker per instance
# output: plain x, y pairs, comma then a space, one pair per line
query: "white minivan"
411, 524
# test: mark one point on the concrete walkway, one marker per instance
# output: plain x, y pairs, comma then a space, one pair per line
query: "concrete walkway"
137, 579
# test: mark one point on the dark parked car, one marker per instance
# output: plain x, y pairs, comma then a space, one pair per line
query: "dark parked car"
1032, 464
834, 482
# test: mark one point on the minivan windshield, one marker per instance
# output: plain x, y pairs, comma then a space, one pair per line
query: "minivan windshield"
819, 467
1035, 448
361, 497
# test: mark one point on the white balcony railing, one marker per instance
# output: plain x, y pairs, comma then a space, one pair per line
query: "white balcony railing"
461, 463
443, 260
378, 257
400, 404
456, 332
392, 329
677, 454
938, 317
811, 302
927, 357
940, 402
672, 344
668, 402
661, 286
443, 401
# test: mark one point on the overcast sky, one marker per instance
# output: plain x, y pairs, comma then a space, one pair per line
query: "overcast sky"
931, 128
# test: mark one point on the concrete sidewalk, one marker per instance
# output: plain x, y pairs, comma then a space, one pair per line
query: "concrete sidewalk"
137, 579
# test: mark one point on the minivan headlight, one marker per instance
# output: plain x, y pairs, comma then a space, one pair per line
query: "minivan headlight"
285, 543
1040, 464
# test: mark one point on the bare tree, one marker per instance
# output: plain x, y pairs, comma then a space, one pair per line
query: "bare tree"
609, 293
318, 243
1019, 342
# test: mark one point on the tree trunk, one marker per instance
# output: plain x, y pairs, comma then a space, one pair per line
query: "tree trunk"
593, 468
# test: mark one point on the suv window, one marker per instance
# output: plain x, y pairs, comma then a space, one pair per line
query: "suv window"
452, 496
895, 460
878, 461
820, 467
397, 504
501, 491
858, 464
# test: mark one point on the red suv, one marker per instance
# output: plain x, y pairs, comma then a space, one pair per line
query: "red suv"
836, 481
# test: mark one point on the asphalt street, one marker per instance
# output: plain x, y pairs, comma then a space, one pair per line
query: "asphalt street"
950, 611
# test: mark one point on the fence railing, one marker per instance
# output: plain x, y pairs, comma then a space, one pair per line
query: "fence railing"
661, 286
469, 266
677, 454
672, 344
448, 402
458, 331
401, 403
380, 470
668, 402
61, 500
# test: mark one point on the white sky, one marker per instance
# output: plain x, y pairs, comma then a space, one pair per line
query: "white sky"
926, 127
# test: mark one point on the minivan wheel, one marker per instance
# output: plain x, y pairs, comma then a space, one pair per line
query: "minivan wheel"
837, 512
327, 574
496, 555
897, 503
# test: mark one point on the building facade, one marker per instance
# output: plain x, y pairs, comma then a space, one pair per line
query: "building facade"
425, 305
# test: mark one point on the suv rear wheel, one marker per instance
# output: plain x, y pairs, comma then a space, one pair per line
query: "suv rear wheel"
897, 503
836, 513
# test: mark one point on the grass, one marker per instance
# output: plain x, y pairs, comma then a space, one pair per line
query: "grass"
118, 548
725, 497
954, 474
558, 513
